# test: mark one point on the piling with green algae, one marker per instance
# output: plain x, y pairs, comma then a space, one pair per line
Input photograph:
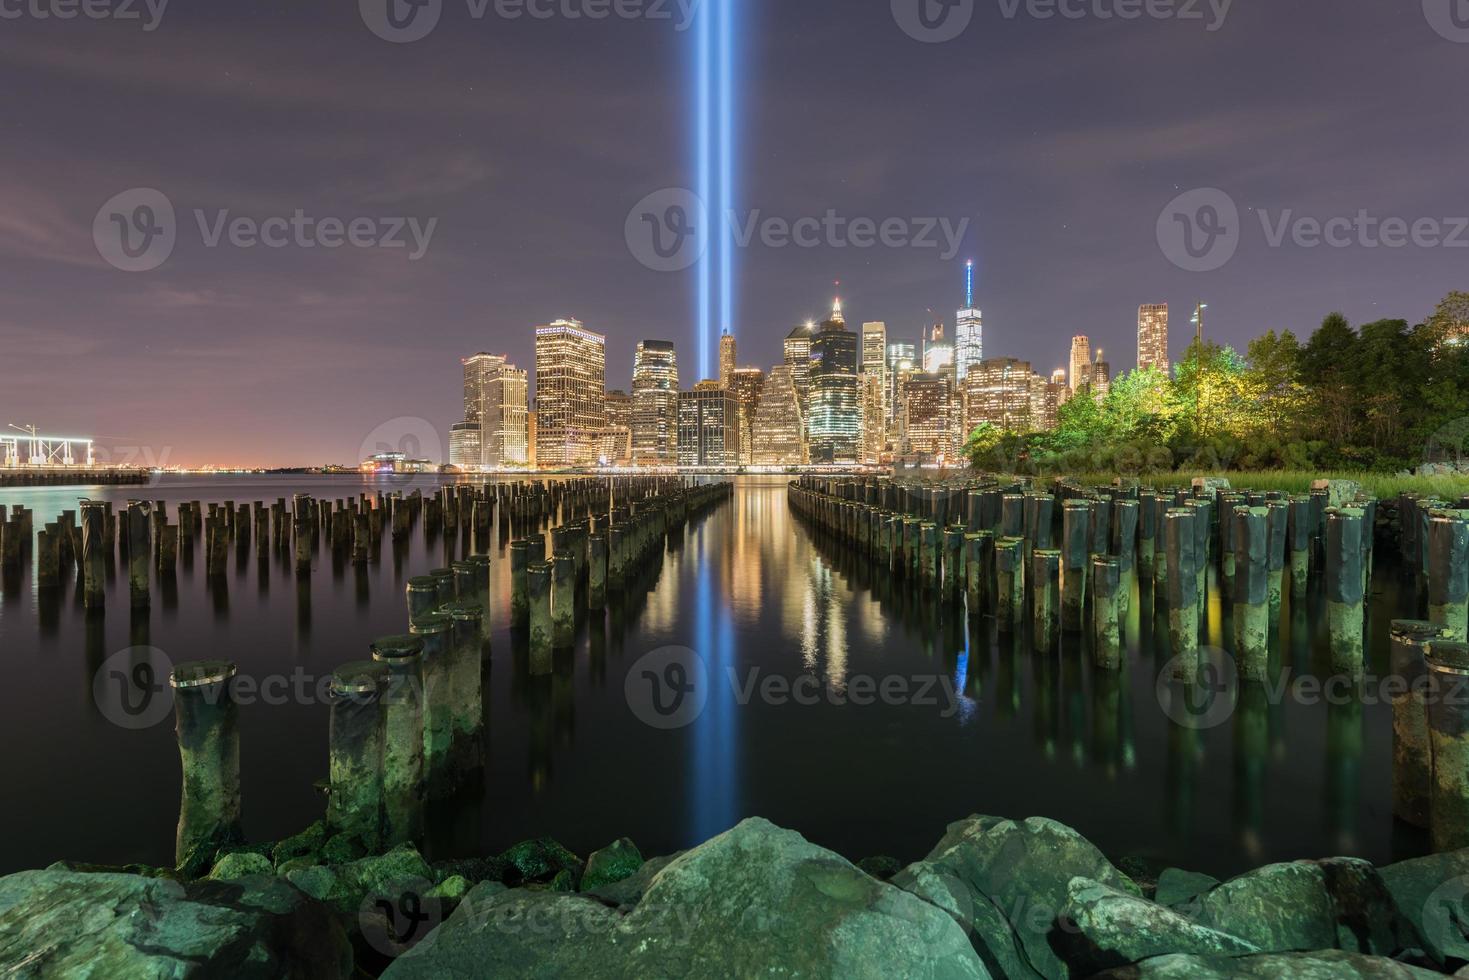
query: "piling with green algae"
356, 745
403, 731
207, 726
1344, 593
1075, 556
519, 581
1448, 732
538, 595
1010, 582
481, 595
1448, 573
436, 667
563, 599
1045, 597
953, 564
94, 554
1251, 587
912, 538
1106, 609
1412, 771
928, 556
1183, 608
979, 547
1203, 515
597, 572
138, 552
1040, 511
1147, 531
423, 597
1298, 539
466, 690
1277, 525
1124, 549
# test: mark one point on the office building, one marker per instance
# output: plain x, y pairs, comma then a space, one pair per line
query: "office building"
798, 359
835, 421
617, 437
1152, 337
928, 401
571, 394
998, 391
778, 437
747, 384
1081, 362
655, 404
708, 426
496, 402
968, 330
726, 358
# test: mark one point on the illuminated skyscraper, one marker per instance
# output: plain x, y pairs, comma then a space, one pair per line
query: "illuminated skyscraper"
617, 437
1081, 362
874, 417
496, 402
1045, 401
998, 391
571, 394
726, 359
747, 383
1101, 377
655, 404
835, 423
798, 359
1152, 336
464, 445
938, 352
875, 359
779, 434
708, 426
902, 360
927, 421
968, 330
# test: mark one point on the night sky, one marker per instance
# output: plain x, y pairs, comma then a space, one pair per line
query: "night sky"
1061, 141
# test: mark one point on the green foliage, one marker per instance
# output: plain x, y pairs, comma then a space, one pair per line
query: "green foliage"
1381, 398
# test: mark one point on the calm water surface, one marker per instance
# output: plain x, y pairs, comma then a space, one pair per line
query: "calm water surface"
974, 722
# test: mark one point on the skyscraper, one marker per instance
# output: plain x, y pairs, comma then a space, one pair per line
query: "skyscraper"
464, 445
571, 394
968, 330
835, 423
496, 404
655, 404
708, 426
779, 434
874, 417
726, 359
938, 352
927, 421
902, 359
998, 391
1101, 377
747, 384
1081, 362
1152, 337
798, 359
617, 437
875, 359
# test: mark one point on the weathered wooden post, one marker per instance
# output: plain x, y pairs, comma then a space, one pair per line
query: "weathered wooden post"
1298, 535
1183, 607
94, 554
519, 582
466, 685
1448, 573
1344, 593
953, 563
978, 558
538, 589
1448, 731
1203, 516
48, 557
356, 736
1075, 557
207, 725
1147, 524
1045, 589
437, 672
563, 600
403, 765
1010, 582
1107, 623
1412, 753
1277, 526
138, 553
1251, 591
928, 545
597, 572
1124, 549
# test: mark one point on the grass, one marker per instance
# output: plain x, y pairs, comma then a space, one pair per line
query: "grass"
1380, 485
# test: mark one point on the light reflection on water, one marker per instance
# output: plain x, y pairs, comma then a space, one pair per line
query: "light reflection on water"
749, 588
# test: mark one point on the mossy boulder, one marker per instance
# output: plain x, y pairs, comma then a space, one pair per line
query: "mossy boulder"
401, 869
881, 867
1175, 886
1430, 893
241, 864
307, 844
66, 924
629, 891
473, 870
1101, 928
613, 863
1331, 964
541, 859
343, 849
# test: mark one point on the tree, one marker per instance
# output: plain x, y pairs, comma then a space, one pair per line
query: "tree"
1274, 374
1328, 363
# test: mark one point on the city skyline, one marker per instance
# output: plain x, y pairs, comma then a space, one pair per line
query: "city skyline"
1062, 175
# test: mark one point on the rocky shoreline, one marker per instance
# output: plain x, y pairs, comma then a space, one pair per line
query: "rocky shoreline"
994, 898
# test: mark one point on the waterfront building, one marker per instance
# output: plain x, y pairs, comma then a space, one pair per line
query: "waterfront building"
874, 360
464, 445
928, 430
708, 426
1152, 337
874, 417
747, 383
726, 358
778, 437
902, 360
655, 404
571, 394
998, 391
617, 437
968, 330
798, 359
496, 401
835, 421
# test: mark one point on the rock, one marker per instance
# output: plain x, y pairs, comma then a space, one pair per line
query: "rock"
539, 860
307, 844
1340, 903
1339, 492
473, 870
1101, 928
1328, 964
1209, 484
1015, 877
990, 933
401, 870
1176, 887
613, 863
881, 867
755, 901
241, 865
629, 891
320, 883
451, 889
343, 849
1429, 893
65, 924
565, 881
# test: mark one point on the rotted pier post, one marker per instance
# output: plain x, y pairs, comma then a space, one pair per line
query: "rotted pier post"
1183, 607
423, 597
207, 726
978, 557
466, 688
1277, 528
1344, 593
1448, 731
356, 746
1448, 573
1010, 582
1106, 609
1075, 557
1251, 582
953, 564
538, 592
1298, 539
1045, 592
403, 766
597, 572
563, 599
138, 553
519, 582
94, 554
1412, 753
436, 666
